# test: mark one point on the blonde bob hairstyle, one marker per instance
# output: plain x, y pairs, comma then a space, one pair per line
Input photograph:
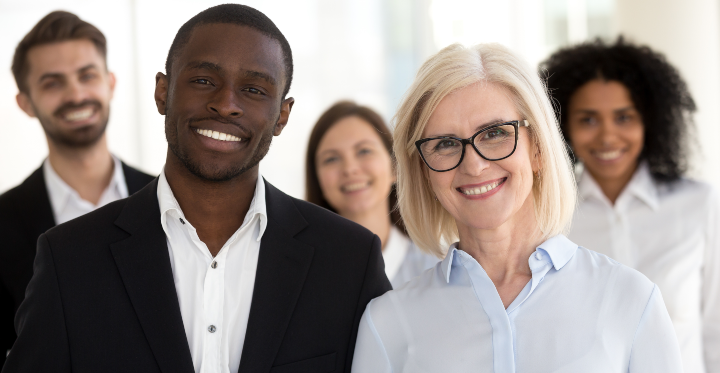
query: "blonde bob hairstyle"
455, 67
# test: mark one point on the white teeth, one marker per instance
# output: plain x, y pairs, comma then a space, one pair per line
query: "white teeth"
79, 114
354, 187
608, 156
480, 190
218, 135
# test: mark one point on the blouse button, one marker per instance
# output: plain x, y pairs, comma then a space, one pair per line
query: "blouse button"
213, 265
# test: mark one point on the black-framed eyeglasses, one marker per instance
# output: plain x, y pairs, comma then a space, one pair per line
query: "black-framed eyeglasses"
493, 143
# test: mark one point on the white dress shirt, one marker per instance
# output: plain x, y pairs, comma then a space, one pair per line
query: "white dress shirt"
404, 260
581, 312
669, 232
214, 293
66, 202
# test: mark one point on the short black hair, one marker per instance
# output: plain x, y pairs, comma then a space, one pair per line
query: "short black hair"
656, 88
235, 14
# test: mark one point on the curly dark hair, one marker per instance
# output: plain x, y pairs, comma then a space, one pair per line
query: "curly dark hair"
656, 88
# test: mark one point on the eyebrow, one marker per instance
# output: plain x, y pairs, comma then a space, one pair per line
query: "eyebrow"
590, 111
205, 65
60, 75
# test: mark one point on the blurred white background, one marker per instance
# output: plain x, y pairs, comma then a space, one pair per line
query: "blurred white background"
364, 50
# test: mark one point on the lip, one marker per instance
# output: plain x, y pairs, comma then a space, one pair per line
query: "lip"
607, 161
219, 145
486, 195
354, 190
92, 119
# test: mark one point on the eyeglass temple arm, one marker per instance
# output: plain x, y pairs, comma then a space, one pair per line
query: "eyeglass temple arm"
524, 123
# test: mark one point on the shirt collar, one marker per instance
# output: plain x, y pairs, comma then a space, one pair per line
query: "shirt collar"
60, 192
559, 248
167, 202
641, 185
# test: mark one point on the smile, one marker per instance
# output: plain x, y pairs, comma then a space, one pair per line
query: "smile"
78, 115
481, 189
354, 187
610, 155
218, 135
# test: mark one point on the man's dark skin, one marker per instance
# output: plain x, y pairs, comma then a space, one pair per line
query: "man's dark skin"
227, 78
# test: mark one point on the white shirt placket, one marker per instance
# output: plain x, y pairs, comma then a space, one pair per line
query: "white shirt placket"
213, 305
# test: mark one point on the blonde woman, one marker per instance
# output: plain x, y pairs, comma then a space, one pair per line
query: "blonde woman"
481, 163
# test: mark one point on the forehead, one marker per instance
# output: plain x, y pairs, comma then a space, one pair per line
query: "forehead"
234, 48
63, 57
600, 94
463, 111
347, 132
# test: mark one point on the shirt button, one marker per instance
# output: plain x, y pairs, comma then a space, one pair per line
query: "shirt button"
182, 221
538, 256
212, 328
213, 265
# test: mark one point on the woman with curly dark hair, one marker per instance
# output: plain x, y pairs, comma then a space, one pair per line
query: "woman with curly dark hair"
625, 113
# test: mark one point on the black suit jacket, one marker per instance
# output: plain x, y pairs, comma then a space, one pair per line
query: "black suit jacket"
103, 299
25, 214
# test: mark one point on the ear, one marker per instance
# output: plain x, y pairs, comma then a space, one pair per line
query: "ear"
161, 93
111, 80
285, 109
23, 100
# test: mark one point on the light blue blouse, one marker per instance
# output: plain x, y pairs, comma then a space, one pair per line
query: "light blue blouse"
581, 312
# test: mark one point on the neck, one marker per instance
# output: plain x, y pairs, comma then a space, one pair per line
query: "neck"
612, 187
87, 170
215, 209
376, 220
503, 252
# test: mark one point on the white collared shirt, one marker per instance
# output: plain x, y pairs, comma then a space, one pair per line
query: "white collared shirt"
214, 293
404, 260
581, 312
669, 232
67, 204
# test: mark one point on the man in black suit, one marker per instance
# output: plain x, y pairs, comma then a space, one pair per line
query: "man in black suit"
208, 268
62, 77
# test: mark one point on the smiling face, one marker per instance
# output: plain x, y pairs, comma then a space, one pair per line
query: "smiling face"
482, 194
223, 103
354, 168
605, 129
69, 91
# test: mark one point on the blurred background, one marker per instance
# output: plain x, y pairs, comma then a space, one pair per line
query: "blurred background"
364, 50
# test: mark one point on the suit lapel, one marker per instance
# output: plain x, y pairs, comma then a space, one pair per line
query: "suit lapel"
283, 264
144, 265
35, 209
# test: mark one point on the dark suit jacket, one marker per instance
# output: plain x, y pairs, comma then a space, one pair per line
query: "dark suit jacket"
103, 298
25, 214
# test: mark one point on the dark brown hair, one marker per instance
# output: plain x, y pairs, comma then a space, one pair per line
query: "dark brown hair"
53, 28
344, 109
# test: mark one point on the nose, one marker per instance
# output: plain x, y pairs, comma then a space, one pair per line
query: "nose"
608, 132
75, 91
350, 166
225, 103
473, 164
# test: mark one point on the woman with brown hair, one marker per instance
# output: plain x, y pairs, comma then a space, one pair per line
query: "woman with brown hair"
350, 171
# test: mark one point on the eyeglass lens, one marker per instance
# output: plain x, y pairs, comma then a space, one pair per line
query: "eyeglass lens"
445, 153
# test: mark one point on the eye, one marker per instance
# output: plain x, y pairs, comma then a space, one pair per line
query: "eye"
624, 118
588, 121
495, 133
446, 144
203, 81
364, 151
329, 160
253, 91
51, 84
87, 77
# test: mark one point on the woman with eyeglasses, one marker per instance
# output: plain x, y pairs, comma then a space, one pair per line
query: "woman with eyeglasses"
350, 170
626, 114
481, 163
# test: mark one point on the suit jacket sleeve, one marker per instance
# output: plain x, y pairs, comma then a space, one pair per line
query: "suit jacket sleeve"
42, 343
375, 284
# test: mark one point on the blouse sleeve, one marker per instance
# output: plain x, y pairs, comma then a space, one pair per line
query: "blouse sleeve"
370, 354
655, 348
711, 287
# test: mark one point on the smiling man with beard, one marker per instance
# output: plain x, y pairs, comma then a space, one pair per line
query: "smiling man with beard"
209, 268
61, 72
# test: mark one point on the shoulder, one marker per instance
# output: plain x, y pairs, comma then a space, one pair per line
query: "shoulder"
590, 269
29, 186
89, 229
134, 178
687, 188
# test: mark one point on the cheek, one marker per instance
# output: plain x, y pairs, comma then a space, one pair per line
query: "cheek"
581, 138
328, 178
